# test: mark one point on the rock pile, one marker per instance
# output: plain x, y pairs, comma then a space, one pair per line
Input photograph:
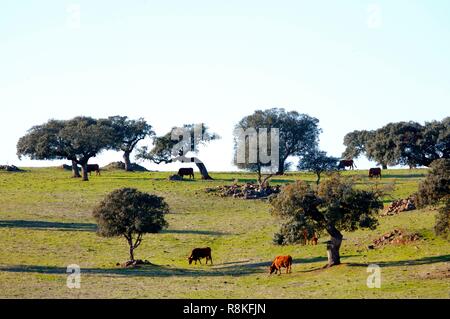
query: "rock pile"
10, 168
400, 205
134, 263
396, 237
245, 191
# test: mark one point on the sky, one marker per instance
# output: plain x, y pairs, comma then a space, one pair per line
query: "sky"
352, 64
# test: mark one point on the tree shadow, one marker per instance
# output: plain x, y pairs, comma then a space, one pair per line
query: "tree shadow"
45, 225
135, 179
404, 176
182, 180
268, 263
412, 262
143, 271
194, 232
238, 269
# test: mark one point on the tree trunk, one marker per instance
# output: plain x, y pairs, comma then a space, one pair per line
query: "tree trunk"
85, 172
131, 253
384, 166
203, 171
281, 168
259, 176
75, 170
318, 179
126, 159
333, 246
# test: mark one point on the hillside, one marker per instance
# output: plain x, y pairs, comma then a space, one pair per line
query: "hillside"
46, 224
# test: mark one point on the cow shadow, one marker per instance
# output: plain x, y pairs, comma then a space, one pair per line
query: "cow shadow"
46, 225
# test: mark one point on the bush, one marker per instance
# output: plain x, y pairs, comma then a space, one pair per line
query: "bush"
442, 226
436, 186
293, 232
435, 190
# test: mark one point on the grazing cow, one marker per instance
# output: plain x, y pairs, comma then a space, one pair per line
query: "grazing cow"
346, 163
311, 240
186, 171
375, 172
93, 168
279, 262
314, 239
198, 253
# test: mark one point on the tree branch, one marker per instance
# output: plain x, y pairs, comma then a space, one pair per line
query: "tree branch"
138, 241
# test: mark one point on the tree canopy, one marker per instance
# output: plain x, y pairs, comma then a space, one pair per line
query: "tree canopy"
127, 133
402, 143
297, 134
176, 144
42, 143
318, 162
77, 140
130, 213
355, 143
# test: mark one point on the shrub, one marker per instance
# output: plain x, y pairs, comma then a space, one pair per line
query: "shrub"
435, 190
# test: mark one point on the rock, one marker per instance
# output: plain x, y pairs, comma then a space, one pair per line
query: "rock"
371, 247
10, 168
121, 166
134, 263
175, 178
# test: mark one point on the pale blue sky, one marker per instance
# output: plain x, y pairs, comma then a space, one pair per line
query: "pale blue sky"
175, 62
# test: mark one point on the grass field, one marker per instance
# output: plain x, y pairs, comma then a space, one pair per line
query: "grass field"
46, 225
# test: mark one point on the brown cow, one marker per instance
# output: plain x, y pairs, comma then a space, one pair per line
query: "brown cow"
279, 262
375, 172
198, 253
346, 163
186, 171
314, 239
93, 168
310, 240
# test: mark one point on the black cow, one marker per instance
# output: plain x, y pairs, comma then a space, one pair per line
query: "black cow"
186, 171
346, 163
375, 172
198, 253
93, 168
